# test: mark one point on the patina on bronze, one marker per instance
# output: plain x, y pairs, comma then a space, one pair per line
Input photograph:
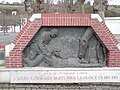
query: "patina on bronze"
65, 47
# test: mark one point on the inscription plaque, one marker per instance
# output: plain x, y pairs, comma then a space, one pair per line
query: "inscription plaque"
66, 75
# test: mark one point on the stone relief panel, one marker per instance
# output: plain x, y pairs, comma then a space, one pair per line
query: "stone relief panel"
65, 47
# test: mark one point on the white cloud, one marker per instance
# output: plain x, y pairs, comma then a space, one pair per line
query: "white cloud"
91, 1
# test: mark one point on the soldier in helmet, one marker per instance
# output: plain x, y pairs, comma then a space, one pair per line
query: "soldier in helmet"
37, 50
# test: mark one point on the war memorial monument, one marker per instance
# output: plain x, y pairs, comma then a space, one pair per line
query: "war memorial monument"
62, 52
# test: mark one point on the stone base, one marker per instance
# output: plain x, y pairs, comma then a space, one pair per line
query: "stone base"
90, 65
2, 62
60, 75
82, 86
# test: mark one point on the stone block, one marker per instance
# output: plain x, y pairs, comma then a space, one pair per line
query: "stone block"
21, 89
11, 89
4, 76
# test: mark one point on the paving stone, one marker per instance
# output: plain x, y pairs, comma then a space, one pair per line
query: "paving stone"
11, 89
20, 89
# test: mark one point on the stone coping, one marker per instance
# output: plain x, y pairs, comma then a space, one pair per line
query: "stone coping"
2, 63
44, 68
59, 75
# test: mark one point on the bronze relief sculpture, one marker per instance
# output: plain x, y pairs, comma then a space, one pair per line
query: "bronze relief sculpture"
65, 47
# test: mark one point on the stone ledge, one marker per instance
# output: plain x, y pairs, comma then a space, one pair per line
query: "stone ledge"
35, 16
8, 49
2, 63
59, 75
118, 45
96, 16
55, 69
5, 77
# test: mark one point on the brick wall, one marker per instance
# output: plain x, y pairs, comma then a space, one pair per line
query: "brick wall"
2, 45
14, 60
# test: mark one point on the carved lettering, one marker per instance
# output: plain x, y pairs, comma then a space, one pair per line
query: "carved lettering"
62, 76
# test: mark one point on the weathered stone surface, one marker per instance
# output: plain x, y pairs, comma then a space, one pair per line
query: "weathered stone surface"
82, 86
13, 89
65, 47
22, 89
4, 77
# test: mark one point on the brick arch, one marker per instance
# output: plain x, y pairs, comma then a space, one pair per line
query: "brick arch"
14, 57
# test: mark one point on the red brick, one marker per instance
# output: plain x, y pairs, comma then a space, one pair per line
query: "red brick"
30, 29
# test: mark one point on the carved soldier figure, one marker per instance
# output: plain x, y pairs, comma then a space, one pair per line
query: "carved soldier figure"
52, 49
95, 50
37, 50
83, 45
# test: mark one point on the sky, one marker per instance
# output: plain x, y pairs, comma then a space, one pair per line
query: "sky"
111, 2
11, 1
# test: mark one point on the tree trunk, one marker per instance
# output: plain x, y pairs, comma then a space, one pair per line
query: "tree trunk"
83, 10
6, 28
14, 29
20, 27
